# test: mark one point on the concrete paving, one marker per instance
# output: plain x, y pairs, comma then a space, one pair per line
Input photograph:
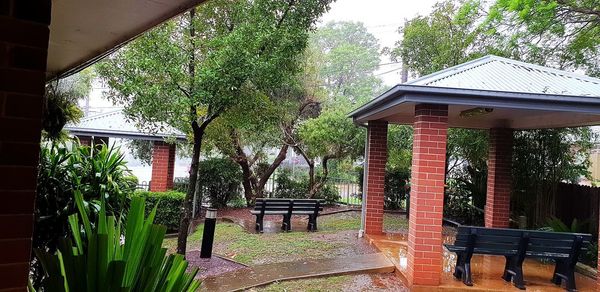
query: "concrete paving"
265, 274
486, 270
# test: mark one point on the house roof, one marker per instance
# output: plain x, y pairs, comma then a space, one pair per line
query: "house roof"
116, 124
82, 32
522, 96
502, 74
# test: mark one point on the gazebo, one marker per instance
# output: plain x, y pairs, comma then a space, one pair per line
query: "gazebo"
493, 93
98, 128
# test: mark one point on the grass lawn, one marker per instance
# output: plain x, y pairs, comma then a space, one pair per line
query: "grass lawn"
337, 237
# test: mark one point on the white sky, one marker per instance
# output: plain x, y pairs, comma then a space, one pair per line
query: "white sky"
382, 18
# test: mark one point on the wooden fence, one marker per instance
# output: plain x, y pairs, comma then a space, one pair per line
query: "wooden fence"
578, 202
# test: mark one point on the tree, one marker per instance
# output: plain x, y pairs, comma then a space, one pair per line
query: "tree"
560, 33
450, 35
344, 56
347, 57
329, 136
189, 71
61, 99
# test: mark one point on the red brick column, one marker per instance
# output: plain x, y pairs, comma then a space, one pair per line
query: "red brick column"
499, 181
85, 140
427, 194
163, 166
23, 51
376, 160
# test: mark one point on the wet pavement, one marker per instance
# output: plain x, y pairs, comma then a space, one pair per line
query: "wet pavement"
486, 270
265, 274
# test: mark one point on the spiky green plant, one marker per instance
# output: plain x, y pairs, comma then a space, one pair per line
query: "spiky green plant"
100, 257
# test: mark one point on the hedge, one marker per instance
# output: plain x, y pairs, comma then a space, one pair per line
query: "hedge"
168, 211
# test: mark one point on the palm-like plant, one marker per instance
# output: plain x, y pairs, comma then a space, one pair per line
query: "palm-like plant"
100, 257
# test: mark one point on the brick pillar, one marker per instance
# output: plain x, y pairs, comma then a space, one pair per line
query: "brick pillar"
499, 181
376, 160
163, 166
85, 140
23, 51
427, 194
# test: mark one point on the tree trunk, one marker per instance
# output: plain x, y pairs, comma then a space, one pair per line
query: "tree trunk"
186, 212
264, 178
316, 186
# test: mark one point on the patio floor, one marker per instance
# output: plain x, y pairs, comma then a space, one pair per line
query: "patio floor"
486, 270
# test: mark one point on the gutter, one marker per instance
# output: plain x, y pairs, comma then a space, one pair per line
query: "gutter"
363, 211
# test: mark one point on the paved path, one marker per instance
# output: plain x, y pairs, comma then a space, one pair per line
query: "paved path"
269, 273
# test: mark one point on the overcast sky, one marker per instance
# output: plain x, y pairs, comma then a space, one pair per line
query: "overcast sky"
382, 18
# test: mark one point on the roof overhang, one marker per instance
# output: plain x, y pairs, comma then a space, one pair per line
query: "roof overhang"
82, 32
123, 134
510, 109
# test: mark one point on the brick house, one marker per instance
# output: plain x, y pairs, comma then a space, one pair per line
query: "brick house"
493, 93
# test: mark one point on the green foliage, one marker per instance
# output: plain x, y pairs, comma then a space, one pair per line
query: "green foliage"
61, 99
450, 35
332, 134
557, 225
221, 178
63, 170
459, 202
349, 55
541, 160
168, 207
563, 33
396, 188
191, 70
103, 255
289, 187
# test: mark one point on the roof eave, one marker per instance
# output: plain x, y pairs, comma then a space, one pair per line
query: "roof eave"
477, 98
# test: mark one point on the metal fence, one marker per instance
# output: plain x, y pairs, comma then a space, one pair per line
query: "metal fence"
348, 189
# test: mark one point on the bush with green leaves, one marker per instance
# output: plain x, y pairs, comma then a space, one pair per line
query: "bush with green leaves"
396, 187
220, 180
168, 206
63, 169
101, 254
297, 188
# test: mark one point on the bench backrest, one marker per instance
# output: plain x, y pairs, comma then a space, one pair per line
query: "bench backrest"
289, 205
490, 240
534, 242
553, 243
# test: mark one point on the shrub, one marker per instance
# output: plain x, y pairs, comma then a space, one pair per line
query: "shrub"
396, 188
110, 256
220, 180
168, 211
290, 188
180, 184
64, 169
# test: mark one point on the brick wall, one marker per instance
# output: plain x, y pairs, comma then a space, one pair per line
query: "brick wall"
427, 194
497, 207
377, 158
163, 166
23, 50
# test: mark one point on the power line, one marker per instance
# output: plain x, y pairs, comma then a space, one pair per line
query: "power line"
387, 72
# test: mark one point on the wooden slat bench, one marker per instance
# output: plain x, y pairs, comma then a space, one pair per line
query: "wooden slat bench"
286, 208
516, 245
